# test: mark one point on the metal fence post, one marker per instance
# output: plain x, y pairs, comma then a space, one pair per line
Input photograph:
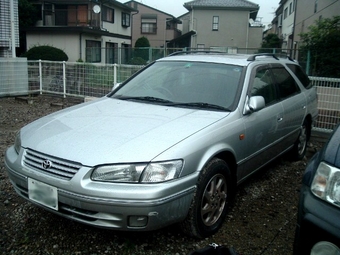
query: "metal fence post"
40, 76
308, 63
64, 78
114, 74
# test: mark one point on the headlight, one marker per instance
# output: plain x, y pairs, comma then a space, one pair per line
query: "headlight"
325, 248
145, 173
17, 142
326, 183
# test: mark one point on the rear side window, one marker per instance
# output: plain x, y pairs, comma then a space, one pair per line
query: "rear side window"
301, 75
285, 82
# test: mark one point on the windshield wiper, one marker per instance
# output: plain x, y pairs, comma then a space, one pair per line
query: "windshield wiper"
145, 98
201, 105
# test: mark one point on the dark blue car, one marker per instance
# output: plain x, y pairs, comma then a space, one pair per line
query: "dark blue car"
318, 224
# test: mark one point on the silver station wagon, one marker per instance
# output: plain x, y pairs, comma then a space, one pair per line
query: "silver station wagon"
168, 145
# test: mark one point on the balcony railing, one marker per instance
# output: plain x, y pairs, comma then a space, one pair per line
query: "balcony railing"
70, 17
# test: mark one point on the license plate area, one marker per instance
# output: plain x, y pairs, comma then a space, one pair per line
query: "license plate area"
43, 194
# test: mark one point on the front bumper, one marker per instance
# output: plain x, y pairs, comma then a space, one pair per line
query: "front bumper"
137, 207
317, 221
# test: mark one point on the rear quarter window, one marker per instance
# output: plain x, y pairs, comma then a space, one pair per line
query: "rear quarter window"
301, 75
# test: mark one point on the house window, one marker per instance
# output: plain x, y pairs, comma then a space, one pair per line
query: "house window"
149, 24
76, 15
149, 28
285, 13
280, 21
290, 8
108, 14
125, 19
215, 23
111, 53
200, 46
93, 51
316, 6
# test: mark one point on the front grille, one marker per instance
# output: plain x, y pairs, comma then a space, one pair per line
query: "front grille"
50, 165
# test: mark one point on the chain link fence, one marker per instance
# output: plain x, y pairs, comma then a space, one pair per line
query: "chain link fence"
76, 79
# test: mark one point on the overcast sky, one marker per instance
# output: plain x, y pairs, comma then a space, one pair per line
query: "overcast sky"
175, 7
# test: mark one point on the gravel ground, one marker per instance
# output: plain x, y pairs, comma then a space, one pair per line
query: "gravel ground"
261, 221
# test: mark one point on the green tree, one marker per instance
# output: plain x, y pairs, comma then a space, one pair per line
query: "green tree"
141, 51
142, 42
322, 41
28, 16
270, 41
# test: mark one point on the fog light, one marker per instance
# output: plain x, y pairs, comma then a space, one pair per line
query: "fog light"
325, 248
138, 221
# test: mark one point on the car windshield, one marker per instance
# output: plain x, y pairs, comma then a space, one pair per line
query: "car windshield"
208, 86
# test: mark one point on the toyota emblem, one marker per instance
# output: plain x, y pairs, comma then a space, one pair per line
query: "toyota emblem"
46, 164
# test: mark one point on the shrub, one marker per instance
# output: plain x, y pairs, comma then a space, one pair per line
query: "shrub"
46, 53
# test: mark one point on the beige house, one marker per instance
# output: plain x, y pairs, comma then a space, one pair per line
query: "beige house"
294, 17
8, 40
222, 25
308, 11
159, 27
90, 31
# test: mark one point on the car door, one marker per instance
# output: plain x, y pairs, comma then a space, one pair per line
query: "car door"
294, 104
263, 127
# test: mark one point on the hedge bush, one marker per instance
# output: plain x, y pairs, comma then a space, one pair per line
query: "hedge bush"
46, 53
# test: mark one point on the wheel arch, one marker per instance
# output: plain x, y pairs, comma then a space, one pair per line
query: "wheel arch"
230, 159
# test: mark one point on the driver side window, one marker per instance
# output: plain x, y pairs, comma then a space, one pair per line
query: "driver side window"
263, 85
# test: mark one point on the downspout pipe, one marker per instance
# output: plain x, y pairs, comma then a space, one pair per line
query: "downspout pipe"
80, 46
12, 28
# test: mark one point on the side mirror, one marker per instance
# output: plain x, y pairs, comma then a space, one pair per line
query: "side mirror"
255, 104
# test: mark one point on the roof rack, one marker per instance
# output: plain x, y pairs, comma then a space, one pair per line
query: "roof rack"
196, 51
253, 57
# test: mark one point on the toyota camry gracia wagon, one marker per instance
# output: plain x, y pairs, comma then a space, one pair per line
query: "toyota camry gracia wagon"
168, 145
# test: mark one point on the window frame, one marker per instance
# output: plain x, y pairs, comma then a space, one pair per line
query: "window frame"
316, 6
93, 56
126, 19
285, 13
105, 14
149, 25
215, 23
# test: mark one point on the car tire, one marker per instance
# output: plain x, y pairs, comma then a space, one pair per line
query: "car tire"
211, 200
300, 147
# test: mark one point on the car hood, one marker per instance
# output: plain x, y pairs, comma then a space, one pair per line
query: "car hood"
111, 131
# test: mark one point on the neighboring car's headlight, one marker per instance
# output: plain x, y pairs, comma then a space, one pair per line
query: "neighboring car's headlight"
17, 142
145, 173
326, 183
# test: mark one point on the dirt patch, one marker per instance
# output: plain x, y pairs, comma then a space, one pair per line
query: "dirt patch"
261, 221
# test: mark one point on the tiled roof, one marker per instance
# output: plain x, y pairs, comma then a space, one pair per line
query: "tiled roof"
221, 4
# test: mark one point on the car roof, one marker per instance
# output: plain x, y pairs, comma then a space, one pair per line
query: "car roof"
224, 58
